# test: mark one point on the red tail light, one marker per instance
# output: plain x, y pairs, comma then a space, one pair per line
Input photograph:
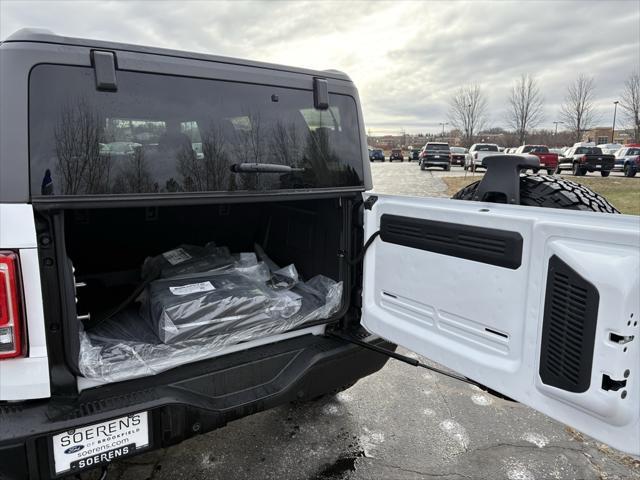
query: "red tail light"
638, 160
583, 158
10, 320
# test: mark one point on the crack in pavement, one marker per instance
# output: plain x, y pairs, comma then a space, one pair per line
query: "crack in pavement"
428, 474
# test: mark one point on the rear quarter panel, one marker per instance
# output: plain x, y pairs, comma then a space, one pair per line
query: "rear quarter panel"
28, 377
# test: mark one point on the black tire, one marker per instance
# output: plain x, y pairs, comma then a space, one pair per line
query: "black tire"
535, 170
577, 171
629, 170
551, 192
604, 173
551, 172
422, 167
447, 168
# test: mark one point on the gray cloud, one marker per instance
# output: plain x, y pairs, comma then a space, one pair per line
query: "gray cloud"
406, 57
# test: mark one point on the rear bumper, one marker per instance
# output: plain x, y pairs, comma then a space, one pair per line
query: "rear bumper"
435, 162
189, 400
593, 167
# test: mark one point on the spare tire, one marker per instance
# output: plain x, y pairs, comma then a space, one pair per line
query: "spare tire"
551, 192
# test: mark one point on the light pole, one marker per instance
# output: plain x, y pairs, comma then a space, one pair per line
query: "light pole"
556, 123
613, 129
443, 124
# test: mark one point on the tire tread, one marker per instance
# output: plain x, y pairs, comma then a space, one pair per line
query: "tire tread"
551, 192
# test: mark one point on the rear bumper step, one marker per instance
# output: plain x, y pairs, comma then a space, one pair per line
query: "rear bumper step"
189, 400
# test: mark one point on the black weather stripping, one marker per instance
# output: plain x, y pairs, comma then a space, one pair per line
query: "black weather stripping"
568, 328
502, 248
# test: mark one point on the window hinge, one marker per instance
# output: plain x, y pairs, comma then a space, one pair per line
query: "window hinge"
369, 202
104, 66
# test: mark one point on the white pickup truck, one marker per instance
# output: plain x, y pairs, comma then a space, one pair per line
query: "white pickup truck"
478, 151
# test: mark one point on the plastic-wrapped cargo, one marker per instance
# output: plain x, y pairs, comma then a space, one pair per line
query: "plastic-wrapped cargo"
187, 259
192, 317
205, 304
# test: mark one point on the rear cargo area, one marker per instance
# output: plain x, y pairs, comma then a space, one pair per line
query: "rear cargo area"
159, 287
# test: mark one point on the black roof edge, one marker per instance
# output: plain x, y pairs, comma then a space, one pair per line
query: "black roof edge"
39, 35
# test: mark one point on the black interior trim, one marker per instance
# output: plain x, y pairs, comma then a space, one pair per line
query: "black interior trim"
502, 248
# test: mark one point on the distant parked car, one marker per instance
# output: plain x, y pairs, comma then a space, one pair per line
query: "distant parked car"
435, 154
548, 160
413, 154
458, 155
611, 148
396, 154
478, 151
581, 160
376, 154
627, 160
119, 149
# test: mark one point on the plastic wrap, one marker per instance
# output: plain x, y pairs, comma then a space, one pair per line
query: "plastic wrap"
248, 302
211, 303
187, 259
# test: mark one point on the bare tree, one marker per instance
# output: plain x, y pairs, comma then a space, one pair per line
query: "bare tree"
286, 145
577, 111
211, 172
525, 106
78, 134
468, 111
134, 176
630, 103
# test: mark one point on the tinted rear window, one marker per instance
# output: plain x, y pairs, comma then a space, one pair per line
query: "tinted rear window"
589, 150
164, 134
437, 146
486, 148
539, 149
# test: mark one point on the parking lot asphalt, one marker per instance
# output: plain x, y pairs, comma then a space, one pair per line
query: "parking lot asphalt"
400, 423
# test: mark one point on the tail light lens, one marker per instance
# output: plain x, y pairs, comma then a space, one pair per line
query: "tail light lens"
10, 319
583, 158
638, 161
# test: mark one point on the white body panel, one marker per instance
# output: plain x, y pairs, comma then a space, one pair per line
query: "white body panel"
485, 321
25, 378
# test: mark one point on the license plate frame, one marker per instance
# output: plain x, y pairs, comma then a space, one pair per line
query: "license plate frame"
97, 444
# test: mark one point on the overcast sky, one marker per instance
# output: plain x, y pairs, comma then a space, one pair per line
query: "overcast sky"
406, 57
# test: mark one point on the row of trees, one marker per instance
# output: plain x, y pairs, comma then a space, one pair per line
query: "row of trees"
525, 107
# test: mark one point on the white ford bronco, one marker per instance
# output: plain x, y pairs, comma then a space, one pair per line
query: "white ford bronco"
188, 239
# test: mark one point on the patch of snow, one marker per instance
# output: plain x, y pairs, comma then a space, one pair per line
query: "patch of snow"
455, 431
535, 438
481, 399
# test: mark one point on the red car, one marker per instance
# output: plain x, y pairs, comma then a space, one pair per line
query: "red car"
548, 160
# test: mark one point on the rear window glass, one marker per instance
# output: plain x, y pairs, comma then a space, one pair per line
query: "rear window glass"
633, 151
588, 150
539, 149
165, 134
487, 148
437, 146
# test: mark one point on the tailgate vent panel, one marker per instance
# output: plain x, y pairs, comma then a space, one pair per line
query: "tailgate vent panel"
568, 329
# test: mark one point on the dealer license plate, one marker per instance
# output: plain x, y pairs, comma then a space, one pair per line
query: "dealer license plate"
101, 443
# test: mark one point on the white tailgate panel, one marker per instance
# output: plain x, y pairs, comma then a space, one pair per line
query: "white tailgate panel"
485, 321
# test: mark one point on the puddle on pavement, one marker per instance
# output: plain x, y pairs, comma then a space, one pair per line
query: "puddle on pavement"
341, 467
